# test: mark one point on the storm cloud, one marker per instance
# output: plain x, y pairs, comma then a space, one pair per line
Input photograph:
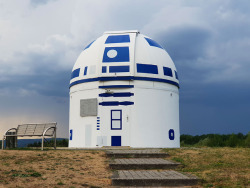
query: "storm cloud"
209, 42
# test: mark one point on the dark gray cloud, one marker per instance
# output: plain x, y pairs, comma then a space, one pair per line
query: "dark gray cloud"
36, 3
209, 42
185, 43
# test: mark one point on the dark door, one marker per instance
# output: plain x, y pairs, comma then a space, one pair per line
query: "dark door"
116, 141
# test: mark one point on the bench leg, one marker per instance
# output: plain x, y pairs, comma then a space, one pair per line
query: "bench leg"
42, 143
55, 139
3, 143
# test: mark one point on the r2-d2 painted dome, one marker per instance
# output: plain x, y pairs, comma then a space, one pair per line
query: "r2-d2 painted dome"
124, 91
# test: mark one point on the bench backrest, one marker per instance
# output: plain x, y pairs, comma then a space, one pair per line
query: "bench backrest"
35, 129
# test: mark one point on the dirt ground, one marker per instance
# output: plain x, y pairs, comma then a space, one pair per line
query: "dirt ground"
54, 168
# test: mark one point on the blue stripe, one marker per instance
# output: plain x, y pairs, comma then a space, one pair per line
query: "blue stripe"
153, 43
123, 78
117, 86
98, 117
70, 134
124, 94
85, 71
98, 126
97, 129
118, 69
122, 54
167, 71
89, 45
116, 103
146, 68
104, 69
115, 78
117, 39
75, 73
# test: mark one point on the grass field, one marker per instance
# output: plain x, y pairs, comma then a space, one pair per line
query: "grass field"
217, 167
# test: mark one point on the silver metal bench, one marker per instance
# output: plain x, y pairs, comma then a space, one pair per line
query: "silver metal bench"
39, 130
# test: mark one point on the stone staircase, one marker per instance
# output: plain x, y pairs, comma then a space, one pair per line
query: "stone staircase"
145, 167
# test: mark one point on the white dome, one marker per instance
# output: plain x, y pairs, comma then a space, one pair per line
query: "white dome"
124, 55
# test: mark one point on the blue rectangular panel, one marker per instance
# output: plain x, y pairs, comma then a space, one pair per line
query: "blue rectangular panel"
152, 43
167, 71
146, 68
85, 71
104, 69
116, 140
116, 54
75, 73
117, 39
88, 45
176, 75
113, 69
70, 134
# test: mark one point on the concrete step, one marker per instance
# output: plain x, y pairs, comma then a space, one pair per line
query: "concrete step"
142, 163
152, 178
146, 153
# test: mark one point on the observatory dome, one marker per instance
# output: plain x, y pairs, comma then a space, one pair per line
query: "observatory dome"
124, 91
126, 54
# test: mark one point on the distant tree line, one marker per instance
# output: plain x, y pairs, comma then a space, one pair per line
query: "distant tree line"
216, 140
50, 143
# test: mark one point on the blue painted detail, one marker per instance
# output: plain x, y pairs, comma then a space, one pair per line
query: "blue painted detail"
98, 125
117, 39
146, 68
104, 69
124, 94
98, 117
153, 43
70, 134
115, 78
116, 140
75, 73
89, 45
98, 120
176, 75
117, 86
157, 80
122, 54
97, 128
171, 134
85, 71
113, 69
122, 78
111, 103
116, 103
119, 120
167, 71
126, 103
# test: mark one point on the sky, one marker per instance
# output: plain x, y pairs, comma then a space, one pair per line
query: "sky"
209, 42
